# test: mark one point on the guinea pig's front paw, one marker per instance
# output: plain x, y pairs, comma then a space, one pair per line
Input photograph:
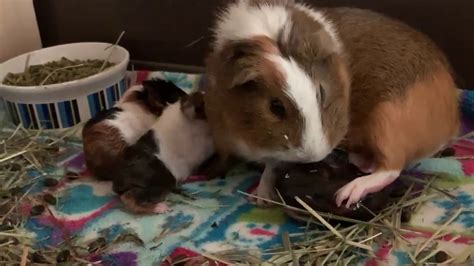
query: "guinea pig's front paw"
262, 195
161, 208
351, 193
358, 188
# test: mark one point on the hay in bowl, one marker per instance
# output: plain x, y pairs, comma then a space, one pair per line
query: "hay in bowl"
55, 72
57, 105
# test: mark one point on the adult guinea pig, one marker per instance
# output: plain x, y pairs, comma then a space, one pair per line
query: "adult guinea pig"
287, 82
176, 145
106, 135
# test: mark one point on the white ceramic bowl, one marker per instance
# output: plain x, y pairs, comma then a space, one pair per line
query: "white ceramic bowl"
64, 105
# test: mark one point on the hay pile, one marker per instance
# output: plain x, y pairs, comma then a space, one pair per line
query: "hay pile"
55, 72
24, 156
60, 71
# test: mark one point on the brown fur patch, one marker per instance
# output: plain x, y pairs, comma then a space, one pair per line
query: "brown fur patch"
130, 96
147, 102
193, 105
401, 89
103, 147
335, 109
148, 106
419, 125
265, 45
386, 57
244, 82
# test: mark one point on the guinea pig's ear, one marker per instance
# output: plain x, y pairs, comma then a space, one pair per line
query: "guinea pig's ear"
239, 62
333, 73
161, 91
326, 43
132, 94
192, 105
244, 76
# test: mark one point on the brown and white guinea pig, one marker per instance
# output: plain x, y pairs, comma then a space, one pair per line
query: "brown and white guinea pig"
287, 82
106, 135
176, 145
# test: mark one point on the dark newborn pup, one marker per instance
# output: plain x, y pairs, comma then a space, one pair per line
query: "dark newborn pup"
177, 144
317, 183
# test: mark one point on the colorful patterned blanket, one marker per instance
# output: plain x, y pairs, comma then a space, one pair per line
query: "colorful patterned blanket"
216, 217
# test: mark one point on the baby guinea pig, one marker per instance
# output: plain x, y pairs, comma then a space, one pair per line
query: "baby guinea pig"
316, 184
289, 83
106, 135
176, 145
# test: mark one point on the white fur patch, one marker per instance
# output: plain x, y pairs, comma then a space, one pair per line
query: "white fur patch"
242, 21
132, 122
325, 23
303, 92
184, 143
286, 31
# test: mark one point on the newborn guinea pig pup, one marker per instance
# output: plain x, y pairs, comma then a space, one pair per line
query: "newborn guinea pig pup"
106, 135
289, 83
176, 145
316, 183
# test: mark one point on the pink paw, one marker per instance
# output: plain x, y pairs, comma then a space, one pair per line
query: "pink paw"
263, 193
161, 208
353, 192
358, 188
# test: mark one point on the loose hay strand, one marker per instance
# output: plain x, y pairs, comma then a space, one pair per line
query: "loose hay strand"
448, 222
57, 70
468, 135
330, 227
321, 219
24, 256
287, 244
280, 196
371, 237
111, 51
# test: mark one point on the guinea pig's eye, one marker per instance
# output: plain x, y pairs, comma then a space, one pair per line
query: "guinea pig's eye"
249, 84
277, 108
322, 93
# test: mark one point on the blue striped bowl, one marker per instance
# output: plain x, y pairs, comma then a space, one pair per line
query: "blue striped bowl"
60, 106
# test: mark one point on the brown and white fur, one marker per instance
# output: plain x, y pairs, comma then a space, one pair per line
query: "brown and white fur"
106, 135
290, 83
174, 147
